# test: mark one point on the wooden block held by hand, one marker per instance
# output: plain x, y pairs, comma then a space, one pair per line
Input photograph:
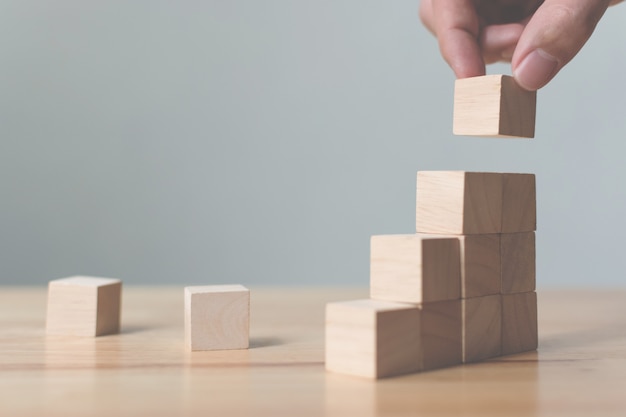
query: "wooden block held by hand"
458, 202
217, 317
372, 338
519, 203
493, 106
414, 268
441, 334
482, 325
518, 262
519, 322
84, 306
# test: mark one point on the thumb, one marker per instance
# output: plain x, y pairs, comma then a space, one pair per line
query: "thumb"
552, 37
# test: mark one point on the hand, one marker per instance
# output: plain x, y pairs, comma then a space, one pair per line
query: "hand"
538, 37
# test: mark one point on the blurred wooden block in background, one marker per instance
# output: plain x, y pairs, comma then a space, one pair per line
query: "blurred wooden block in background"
372, 338
482, 323
518, 262
519, 322
493, 106
441, 334
458, 202
414, 268
217, 317
519, 203
84, 306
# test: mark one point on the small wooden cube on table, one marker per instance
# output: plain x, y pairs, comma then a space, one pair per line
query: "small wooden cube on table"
519, 322
84, 306
372, 338
217, 317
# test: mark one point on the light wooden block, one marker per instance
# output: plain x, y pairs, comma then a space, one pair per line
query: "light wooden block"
480, 263
441, 334
372, 338
482, 326
414, 268
217, 317
518, 262
84, 306
519, 323
458, 202
519, 203
493, 106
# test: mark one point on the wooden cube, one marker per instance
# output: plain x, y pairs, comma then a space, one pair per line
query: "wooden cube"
519, 322
519, 203
414, 268
493, 106
372, 338
480, 263
518, 262
84, 306
458, 202
482, 325
441, 334
217, 317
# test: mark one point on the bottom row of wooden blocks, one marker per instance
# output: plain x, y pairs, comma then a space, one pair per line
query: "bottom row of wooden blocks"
376, 339
217, 317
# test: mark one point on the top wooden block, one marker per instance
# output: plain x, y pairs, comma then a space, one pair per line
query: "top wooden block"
458, 202
465, 203
493, 106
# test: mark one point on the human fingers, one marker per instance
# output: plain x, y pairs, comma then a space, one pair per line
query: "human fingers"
456, 26
498, 42
552, 37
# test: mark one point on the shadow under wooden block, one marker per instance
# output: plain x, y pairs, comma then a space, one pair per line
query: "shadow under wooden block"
518, 262
519, 322
458, 202
84, 306
519, 203
441, 334
482, 326
493, 106
372, 338
414, 268
217, 317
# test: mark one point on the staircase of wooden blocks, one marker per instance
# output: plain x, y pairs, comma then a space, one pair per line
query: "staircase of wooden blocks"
461, 289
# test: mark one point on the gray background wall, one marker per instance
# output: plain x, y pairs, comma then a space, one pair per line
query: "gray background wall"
263, 142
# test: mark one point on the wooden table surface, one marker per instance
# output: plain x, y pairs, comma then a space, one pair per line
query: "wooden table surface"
579, 369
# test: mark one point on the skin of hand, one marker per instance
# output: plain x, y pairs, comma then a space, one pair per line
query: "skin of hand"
538, 37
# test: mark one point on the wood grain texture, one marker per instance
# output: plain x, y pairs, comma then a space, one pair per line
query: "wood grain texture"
519, 203
217, 317
458, 202
414, 268
519, 323
493, 106
441, 334
480, 263
518, 262
579, 369
482, 328
84, 306
372, 339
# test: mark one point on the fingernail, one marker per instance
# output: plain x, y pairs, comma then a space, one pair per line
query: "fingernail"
536, 70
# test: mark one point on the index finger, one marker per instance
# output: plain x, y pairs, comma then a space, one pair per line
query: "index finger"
457, 27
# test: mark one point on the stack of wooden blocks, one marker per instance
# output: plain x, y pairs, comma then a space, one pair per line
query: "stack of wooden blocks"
462, 289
